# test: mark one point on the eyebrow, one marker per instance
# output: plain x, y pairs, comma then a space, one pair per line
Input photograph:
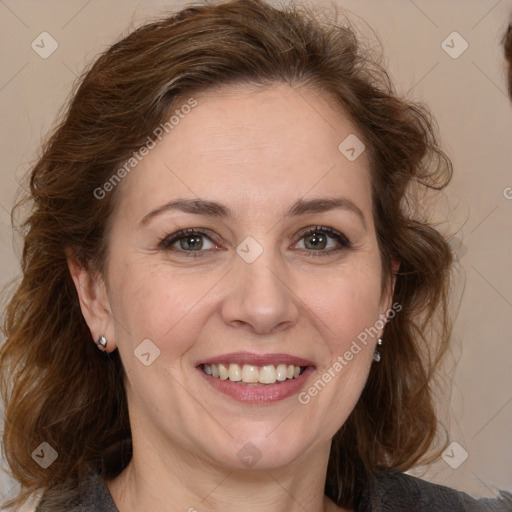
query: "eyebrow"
218, 210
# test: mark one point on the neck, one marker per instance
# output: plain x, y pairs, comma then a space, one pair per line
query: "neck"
174, 479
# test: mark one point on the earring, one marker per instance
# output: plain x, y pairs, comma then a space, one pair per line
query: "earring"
376, 355
102, 343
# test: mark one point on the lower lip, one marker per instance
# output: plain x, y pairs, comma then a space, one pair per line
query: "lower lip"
268, 393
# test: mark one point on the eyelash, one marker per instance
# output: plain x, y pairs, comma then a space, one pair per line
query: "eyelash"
166, 242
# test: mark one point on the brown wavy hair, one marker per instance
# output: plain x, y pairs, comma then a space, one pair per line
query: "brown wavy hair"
60, 389
507, 47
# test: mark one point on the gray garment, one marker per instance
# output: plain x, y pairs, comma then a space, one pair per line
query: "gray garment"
398, 492
388, 492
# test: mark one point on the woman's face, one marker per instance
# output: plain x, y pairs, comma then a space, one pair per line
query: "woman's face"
249, 287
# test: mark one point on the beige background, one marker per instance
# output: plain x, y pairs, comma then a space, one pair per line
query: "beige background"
468, 97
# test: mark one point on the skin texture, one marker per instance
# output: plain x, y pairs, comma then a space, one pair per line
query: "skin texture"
256, 151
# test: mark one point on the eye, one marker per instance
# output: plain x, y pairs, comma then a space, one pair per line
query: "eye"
316, 240
189, 241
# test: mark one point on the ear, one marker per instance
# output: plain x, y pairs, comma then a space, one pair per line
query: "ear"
94, 302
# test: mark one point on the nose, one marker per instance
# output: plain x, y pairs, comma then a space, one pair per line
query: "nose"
260, 296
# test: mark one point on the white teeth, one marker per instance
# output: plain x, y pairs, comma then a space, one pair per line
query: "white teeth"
223, 372
268, 374
281, 372
234, 374
251, 374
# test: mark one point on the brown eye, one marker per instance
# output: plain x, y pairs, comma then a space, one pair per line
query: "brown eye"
191, 242
187, 241
317, 241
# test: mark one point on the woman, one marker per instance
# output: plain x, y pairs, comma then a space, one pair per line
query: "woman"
227, 301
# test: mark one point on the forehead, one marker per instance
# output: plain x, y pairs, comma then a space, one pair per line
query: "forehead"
248, 146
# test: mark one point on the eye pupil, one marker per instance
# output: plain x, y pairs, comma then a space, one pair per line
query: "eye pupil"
317, 239
197, 242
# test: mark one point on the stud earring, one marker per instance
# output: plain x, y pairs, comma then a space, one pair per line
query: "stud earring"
102, 343
376, 355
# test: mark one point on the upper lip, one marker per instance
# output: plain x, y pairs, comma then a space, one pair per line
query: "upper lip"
242, 358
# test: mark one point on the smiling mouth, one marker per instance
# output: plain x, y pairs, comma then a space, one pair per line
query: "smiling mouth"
252, 375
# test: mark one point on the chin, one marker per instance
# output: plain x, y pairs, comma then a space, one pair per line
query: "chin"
261, 453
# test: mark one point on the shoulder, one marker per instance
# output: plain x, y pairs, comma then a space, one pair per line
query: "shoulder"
396, 492
90, 495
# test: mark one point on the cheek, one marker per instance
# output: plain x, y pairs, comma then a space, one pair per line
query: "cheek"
153, 302
346, 304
